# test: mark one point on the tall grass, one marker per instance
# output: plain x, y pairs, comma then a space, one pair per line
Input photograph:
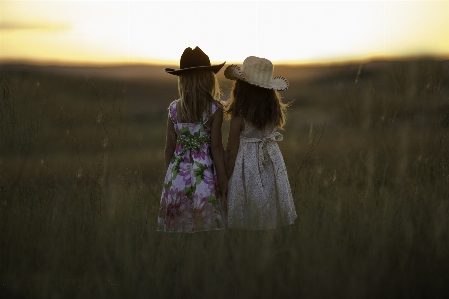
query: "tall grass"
367, 153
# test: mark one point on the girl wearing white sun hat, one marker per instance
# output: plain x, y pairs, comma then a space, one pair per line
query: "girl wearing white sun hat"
259, 194
257, 71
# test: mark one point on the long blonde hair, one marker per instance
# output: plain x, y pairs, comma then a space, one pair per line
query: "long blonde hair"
259, 106
198, 89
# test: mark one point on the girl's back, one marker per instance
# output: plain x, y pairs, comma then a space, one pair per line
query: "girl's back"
259, 195
251, 131
259, 192
191, 196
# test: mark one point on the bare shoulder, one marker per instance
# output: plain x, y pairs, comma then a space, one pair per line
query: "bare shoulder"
217, 117
219, 110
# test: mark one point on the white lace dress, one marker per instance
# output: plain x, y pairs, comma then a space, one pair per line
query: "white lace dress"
259, 194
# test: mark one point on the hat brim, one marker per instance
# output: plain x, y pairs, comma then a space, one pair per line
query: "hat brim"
213, 68
233, 72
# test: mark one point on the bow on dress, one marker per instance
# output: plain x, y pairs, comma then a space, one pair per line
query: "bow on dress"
268, 142
192, 142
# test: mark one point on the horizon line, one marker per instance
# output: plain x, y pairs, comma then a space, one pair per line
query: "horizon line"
169, 63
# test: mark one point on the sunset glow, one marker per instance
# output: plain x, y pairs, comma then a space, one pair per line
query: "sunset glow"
158, 32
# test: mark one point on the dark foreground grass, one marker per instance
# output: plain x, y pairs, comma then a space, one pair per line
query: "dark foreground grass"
344, 244
80, 186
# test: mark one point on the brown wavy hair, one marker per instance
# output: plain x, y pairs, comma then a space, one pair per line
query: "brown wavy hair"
260, 106
198, 89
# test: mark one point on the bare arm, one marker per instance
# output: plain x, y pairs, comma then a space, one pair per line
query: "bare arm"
235, 127
218, 151
170, 142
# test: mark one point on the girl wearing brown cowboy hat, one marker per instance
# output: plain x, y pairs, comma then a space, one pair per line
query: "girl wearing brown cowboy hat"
195, 183
259, 194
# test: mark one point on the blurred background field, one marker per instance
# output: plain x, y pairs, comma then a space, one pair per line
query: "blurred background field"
81, 172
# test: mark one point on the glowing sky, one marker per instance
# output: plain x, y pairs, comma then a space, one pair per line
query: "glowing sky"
153, 31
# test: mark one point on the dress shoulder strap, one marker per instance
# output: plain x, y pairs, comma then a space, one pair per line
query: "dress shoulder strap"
172, 112
214, 108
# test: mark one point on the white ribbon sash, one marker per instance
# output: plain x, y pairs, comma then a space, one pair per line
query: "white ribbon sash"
268, 142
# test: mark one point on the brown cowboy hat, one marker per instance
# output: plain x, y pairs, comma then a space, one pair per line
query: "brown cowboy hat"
192, 60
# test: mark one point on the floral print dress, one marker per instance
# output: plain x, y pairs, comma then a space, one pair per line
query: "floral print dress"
190, 200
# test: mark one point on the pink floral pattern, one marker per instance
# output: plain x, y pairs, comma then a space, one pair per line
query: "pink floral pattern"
177, 209
190, 200
203, 213
184, 171
210, 180
202, 153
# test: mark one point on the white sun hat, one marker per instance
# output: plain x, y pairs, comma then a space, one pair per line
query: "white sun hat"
257, 71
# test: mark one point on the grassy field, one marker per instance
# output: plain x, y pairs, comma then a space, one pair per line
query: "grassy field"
81, 172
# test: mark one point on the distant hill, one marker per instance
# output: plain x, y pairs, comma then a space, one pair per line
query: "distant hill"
150, 83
